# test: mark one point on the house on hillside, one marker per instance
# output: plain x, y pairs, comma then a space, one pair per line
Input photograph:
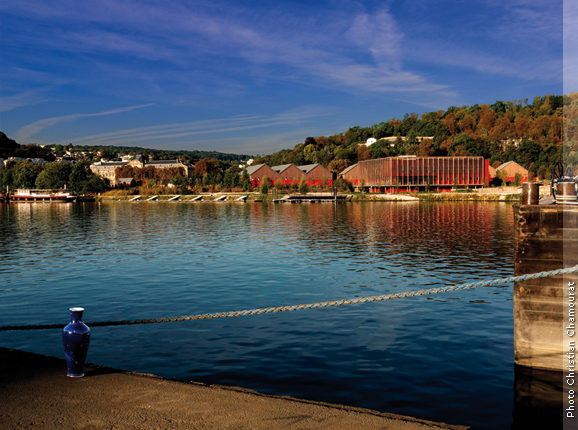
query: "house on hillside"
125, 182
288, 173
508, 171
170, 164
258, 172
107, 169
316, 174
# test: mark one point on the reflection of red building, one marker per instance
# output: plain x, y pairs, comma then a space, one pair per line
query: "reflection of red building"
316, 174
412, 173
260, 171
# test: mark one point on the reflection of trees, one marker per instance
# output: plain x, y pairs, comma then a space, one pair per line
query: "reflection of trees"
405, 234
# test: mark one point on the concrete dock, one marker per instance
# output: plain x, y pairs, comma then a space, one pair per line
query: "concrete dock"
36, 393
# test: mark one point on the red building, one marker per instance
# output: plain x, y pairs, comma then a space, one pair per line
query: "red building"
288, 173
509, 170
260, 171
412, 173
316, 174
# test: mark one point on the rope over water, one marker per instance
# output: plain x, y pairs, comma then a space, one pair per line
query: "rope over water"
292, 308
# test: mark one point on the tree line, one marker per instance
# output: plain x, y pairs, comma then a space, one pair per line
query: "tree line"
52, 175
528, 133
111, 152
208, 174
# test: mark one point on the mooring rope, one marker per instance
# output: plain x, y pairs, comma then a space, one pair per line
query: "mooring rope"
292, 308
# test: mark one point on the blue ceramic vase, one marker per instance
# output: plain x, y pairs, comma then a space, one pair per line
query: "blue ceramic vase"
75, 338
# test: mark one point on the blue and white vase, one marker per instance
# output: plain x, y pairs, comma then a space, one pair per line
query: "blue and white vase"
75, 338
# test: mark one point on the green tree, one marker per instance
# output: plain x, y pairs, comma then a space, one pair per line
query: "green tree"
338, 165
309, 153
265, 186
245, 181
95, 184
25, 174
54, 175
78, 178
528, 152
303, 187
232, 177
6, 178
59, 150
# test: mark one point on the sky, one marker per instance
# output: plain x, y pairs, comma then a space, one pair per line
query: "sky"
254, 77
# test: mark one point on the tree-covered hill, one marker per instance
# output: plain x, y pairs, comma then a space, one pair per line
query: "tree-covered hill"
10, 148
161, 154
529, 133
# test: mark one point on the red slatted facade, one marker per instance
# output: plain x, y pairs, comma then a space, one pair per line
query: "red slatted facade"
418, 173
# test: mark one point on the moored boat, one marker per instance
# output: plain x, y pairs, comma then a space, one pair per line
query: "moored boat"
27, 195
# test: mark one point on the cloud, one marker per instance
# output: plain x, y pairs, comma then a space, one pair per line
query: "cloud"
219, 127
261, 144
344, 49
24, 133
25, 98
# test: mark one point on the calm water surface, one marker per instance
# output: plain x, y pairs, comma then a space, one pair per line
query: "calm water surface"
446, 357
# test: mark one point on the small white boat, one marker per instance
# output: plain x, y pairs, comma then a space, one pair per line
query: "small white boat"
28, 195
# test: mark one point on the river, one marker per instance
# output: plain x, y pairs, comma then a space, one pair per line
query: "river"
446, 357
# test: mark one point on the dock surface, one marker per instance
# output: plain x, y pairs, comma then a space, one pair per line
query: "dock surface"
36, 393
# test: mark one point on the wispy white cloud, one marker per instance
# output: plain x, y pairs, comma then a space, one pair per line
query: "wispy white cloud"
25, 98
24, 133
259, 144
348, 50
227, 129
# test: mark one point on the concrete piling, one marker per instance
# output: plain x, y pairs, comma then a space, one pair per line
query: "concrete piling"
546, 239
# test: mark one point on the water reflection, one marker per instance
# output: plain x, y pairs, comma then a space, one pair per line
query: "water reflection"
448, 358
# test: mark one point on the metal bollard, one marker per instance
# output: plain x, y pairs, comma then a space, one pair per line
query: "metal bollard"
530, 193
565, 192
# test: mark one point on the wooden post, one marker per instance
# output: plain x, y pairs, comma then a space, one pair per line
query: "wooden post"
546, 239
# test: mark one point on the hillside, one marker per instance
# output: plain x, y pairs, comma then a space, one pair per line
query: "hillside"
10, 148
529, 133
163, 154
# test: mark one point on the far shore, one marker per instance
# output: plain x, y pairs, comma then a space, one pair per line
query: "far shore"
494, 194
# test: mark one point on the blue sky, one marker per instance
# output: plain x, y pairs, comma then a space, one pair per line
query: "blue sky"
256, 77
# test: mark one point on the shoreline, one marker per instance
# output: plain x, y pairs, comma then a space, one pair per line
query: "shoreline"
351, 197
37, 393
488, 194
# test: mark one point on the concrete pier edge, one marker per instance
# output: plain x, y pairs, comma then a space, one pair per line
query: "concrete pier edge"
35, 393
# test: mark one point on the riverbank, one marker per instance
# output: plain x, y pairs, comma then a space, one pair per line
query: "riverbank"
504, 194
37, 394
